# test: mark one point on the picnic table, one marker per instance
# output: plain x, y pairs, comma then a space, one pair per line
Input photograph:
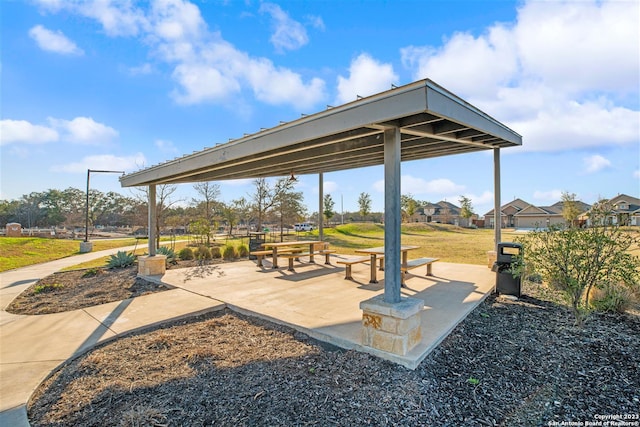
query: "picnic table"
375, 252
291, 247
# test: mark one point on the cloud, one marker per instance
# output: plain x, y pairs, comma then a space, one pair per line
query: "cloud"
288, 33
103, 162
165, 146
316, 22
328, 187
549, 74
206, 68
595, 163
548, 196
140, 70
84, 130
22, 131
419, 186
54, 41
366, 77
636, 174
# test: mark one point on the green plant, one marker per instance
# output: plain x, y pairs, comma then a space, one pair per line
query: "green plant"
229, 252
215, 252
243, 251
612, 298
473, 381
92, 272
575, 261
169, 253
202, 253
121, 259
185, 254
48, 287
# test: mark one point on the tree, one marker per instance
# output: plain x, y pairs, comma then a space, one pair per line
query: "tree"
466, 210
163, 204
408, 205
209, 192
570, 209
576, 260
265, 196
288, 204
364, 203
328, 204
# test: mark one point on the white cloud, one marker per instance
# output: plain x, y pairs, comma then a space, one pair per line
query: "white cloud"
595, 163
84, 130
419, 186
560, 68
548, 196
636, 174
315, 22
54, 41
288, 33
140, 70
328, 187
103, 162
366, 77
22, 131
165, 146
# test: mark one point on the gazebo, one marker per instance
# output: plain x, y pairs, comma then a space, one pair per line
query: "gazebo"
420, 120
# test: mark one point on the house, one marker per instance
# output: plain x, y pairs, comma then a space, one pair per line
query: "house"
521, 214
442, 212
622, 210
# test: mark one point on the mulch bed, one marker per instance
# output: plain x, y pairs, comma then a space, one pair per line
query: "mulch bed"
508, 363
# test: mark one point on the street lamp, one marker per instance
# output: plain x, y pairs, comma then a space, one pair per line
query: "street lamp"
86, 247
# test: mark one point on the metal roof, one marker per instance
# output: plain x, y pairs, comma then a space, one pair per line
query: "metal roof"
433, 122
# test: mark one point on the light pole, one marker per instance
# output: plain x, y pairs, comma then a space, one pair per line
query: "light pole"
86, 246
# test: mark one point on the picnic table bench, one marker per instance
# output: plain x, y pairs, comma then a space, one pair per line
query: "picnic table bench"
415, 263
349, 262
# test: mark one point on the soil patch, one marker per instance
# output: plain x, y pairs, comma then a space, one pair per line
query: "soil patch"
508, 363
71, 290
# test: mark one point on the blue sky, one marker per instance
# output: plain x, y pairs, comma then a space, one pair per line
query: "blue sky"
124, 85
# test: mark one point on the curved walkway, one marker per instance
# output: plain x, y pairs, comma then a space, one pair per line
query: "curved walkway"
32, 346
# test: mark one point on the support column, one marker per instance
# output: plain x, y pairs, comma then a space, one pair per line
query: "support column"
320, 206
389, 322
392, 216
152, 220
497, 214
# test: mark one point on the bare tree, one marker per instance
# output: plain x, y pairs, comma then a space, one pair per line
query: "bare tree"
209, 192
266, 196
163, 204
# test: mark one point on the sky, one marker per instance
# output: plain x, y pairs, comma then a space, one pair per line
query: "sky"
123, 85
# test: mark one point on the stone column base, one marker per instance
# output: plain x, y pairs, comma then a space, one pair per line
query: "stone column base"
152, 265
394, 328
86, 247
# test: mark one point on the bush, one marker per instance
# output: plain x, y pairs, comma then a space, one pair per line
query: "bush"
243, 251
47, 288
185, 254
215, 252
229, 252
92, 272
121, 259
202, 253
169, 253
613, 298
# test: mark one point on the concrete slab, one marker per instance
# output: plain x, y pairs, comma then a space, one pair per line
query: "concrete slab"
318, 301
19, 380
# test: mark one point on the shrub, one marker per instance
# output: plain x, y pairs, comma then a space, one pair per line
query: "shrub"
92, 272
121, 259
229, 252
202, 253
185, 254
215, 252
169, 253
243, 251
612, 298
38, 289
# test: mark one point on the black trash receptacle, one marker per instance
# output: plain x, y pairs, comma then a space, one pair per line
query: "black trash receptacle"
507, 254
256, 239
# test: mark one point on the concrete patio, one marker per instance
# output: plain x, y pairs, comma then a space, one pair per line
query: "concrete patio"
317, 300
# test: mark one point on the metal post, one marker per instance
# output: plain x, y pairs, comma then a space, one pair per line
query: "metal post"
152, 220
321, 206
392, 216
86, 210
497, 214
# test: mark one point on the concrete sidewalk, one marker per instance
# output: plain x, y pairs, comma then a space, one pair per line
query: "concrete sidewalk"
32, 346
315, 299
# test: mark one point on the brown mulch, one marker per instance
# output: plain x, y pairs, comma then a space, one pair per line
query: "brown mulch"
509, 363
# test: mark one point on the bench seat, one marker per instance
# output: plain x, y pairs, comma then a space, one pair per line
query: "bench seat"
292, 256
349, 262
260, 254
415, 263
326, 253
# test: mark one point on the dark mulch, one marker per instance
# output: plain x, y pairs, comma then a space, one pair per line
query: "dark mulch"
510, 363
71, 290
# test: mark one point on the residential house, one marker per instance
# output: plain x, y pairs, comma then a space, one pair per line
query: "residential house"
521, 214
442, 212
625, 210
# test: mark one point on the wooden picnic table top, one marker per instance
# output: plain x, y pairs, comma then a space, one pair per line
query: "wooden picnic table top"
380, 249
294, 243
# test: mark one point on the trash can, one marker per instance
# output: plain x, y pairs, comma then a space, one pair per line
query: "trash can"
256, 239
507, 254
